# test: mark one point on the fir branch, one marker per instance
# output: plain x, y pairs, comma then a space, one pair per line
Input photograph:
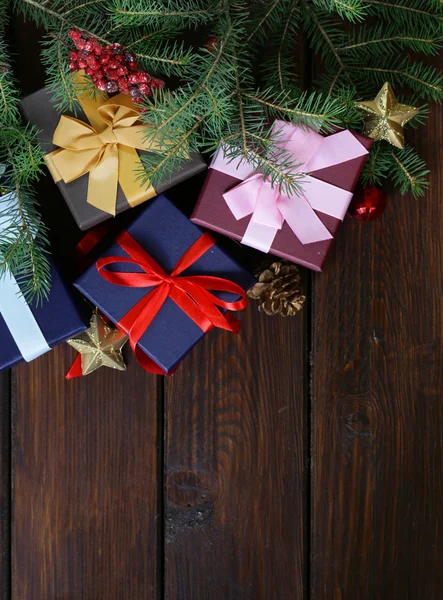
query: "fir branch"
81, 6
222, 96
241, 114
327, 38
138, 12
418, 44
282, 43
152, 35
23, 241
159, 170
411, 172
352, 10
41, 6
407, 14
263, 20
421, 78
334, 82
383, 39
201, 86
309, 109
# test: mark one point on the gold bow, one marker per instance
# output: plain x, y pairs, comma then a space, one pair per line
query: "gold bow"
106, 149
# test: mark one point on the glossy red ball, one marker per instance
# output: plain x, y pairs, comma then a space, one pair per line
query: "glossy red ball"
367, 204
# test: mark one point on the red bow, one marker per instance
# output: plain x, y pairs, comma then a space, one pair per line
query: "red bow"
190, 293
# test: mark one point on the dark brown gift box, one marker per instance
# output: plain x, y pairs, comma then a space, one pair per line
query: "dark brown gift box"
39, 110
212, 211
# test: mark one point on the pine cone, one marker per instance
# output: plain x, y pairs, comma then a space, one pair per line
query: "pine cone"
278, 290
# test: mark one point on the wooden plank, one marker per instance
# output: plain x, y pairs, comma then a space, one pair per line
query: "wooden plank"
85, 453
377, 437
85, 482
236, 465
5, 485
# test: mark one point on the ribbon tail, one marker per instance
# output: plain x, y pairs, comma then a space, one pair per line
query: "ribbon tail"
103, 182
129, 164
19, 319
302, 219
76, 368
259, 236
327, 198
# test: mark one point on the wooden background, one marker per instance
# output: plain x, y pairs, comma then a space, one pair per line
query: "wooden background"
301, 459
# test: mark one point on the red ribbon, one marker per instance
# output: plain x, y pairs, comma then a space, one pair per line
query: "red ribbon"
190, 293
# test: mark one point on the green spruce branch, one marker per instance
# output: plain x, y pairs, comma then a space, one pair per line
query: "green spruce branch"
230, 92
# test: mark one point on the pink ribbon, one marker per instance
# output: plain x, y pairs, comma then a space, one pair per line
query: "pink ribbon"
270, 208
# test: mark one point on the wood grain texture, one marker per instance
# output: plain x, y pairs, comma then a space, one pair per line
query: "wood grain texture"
5, 485
84, 452
377, 380
236, 466
85, 483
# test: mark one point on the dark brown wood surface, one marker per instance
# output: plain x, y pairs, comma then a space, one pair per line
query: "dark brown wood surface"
85, 481
5, 486
377, 389
300, 459
235, 466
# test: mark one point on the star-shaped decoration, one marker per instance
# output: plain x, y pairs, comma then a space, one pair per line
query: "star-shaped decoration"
100, 346
385, 117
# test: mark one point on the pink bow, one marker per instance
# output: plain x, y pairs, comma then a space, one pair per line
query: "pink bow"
270, 208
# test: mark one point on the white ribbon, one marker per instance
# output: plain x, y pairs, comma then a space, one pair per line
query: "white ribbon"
13, 307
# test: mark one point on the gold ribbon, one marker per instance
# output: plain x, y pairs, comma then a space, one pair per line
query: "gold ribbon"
106, 149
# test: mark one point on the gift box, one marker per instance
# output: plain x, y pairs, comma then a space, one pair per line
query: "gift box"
29, 330
238, 203
161, 233
89, 196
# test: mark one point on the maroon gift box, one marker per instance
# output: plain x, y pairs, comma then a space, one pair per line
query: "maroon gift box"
212, 211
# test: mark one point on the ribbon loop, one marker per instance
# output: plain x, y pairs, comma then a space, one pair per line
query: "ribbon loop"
190, 293
106, 149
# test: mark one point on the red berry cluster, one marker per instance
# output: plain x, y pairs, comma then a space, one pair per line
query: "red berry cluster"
111, 68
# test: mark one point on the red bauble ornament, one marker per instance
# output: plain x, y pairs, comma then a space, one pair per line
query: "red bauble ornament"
367, 204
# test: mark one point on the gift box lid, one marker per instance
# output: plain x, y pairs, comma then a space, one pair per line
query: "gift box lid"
59, 318
41, 112
166, 234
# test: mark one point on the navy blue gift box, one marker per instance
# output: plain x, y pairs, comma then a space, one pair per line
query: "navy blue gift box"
166, 234
59, 318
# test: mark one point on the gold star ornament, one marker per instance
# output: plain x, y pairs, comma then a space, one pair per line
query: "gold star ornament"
385, 117
100, 346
